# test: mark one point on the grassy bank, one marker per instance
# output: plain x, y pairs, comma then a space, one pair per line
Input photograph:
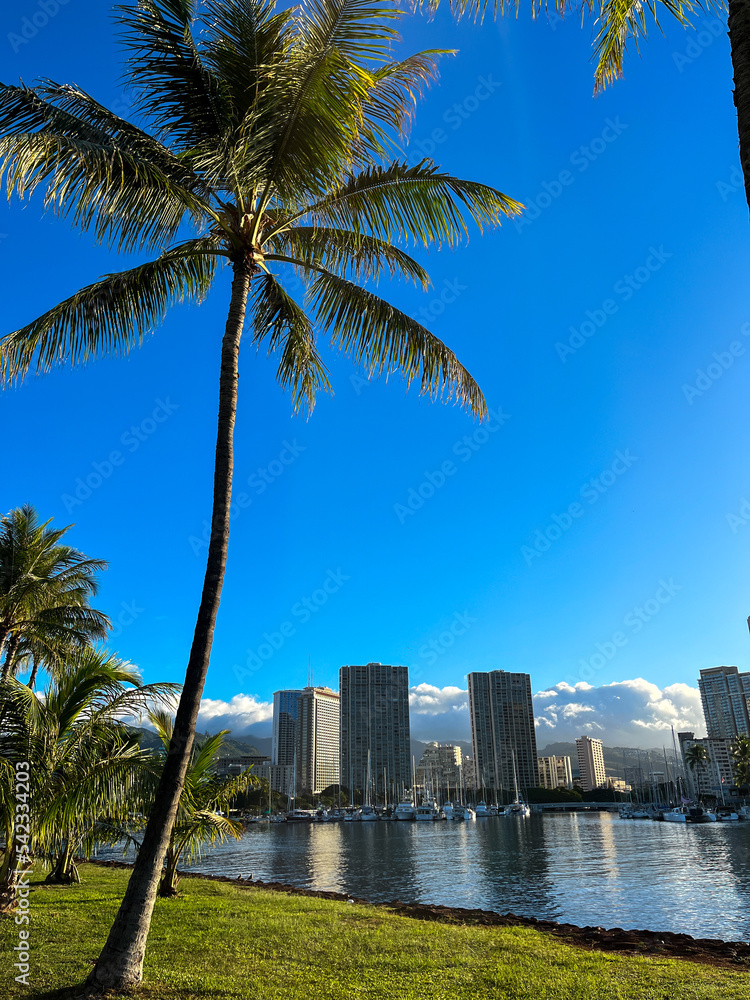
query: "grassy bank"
221, 942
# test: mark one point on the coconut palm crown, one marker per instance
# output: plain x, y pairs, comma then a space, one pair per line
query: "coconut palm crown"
263, 143
45, 589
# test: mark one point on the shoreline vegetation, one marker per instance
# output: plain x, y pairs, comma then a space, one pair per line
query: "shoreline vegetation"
228, 939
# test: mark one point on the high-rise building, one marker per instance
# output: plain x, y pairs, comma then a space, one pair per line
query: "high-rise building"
502, 731
306, 738
285, 736
375, 722
555, 772
318, 759
716, 774
724, 693
591, 763
441, 769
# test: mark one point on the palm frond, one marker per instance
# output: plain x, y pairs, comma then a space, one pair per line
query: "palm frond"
178, 94
383, 340
112, 315
396, 88
280, 321
243, 38
347, 253
316, 100
130, 193
417, 203
622, 20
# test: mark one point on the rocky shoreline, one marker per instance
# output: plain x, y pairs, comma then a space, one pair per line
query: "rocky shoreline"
647, 944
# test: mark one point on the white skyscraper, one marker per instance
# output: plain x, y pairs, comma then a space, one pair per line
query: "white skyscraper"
306, 738
591, 763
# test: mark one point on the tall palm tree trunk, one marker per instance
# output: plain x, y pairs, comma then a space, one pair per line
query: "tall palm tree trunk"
120, 964
10, 656
739, 39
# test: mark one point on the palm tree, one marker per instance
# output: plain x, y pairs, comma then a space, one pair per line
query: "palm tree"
45, 589
199, 818
696, 755
85, 767
741, 761
622, 21
266, 133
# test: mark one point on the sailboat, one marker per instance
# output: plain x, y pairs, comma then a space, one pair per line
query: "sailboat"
367, 813
517, 807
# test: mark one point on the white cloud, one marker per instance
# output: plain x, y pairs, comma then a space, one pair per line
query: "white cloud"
239, 714
426, 699
633, 712
573, 709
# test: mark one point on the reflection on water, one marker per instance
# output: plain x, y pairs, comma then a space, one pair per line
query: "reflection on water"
578, 868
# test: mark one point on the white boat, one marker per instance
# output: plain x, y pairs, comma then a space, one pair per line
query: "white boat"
728, 817
405, 811
634, 812
448, 810
367, 814
464, 812
349, 816
427, 813
518, 808
482, 810
677, 815
300, 816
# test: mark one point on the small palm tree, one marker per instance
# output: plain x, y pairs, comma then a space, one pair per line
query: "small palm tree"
85, 767
266, 143
199, 822
696, 756
620, 22
45, 588
741, 761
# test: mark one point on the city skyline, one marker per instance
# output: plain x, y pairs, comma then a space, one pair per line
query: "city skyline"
633, 712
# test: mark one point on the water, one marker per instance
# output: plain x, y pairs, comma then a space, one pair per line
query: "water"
577, 868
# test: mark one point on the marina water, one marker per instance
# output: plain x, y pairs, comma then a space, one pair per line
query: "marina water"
579, 868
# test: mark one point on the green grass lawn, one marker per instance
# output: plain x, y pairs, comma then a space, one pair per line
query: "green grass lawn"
221, 942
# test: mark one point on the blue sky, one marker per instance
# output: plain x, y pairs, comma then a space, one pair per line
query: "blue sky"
607, 497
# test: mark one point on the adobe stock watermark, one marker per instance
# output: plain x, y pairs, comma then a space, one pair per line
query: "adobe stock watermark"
722, 361
22, 871
581, 159
300, 614
464, 449
699, 42
741, 519
453, 118
131, 440
30, 26
433, 649
591, 491
259, 481
735, 183
633, 622
624, 288
126, 616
